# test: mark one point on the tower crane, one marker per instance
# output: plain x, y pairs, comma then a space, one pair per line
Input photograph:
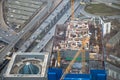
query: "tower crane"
72, 9
58, 58
72, 18
82, 49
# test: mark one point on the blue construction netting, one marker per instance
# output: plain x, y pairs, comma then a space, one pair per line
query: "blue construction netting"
98, 74
77, 77
56, 73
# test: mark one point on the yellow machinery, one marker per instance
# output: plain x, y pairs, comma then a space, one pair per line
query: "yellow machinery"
72, 18
82, 49
58, 58
72, 9
84, 42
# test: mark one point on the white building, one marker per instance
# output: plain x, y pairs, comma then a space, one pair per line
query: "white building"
27, 66
106, 26
113, 72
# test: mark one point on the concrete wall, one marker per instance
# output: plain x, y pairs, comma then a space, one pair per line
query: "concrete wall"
113, 72
106, 27
24, 78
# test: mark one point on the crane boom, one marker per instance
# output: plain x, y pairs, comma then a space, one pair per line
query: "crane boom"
84, 41
72, 9
82, 49
58, 58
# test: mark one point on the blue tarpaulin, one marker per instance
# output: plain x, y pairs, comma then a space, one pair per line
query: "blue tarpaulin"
98, 74
77, 77
56, 73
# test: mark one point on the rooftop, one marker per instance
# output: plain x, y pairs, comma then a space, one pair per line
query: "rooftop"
26, 65
29, 68
114, 40
70, 36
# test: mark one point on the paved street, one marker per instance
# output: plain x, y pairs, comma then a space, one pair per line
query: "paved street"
48, 23
31, 24
6, 33
50, 34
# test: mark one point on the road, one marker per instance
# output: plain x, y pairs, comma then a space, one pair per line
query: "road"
6, 33
50, 34
2, 22
18, 36
48, 23
6, 36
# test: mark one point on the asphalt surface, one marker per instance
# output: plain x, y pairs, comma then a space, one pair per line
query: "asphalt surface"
18, 36
6, 33
43, 26
50, 34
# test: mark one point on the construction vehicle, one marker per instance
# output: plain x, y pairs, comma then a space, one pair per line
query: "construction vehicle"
72, 18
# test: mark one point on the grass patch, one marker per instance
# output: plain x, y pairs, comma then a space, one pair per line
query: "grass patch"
116, 4
101, 9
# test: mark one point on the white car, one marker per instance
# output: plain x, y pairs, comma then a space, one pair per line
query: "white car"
38, 46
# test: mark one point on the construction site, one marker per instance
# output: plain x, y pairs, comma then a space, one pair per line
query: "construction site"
76, 49
64, 44
68, 40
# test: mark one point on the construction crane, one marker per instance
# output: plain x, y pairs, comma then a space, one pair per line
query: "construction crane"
72, 18
58, 58
72, 9
84, 42
82, 49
